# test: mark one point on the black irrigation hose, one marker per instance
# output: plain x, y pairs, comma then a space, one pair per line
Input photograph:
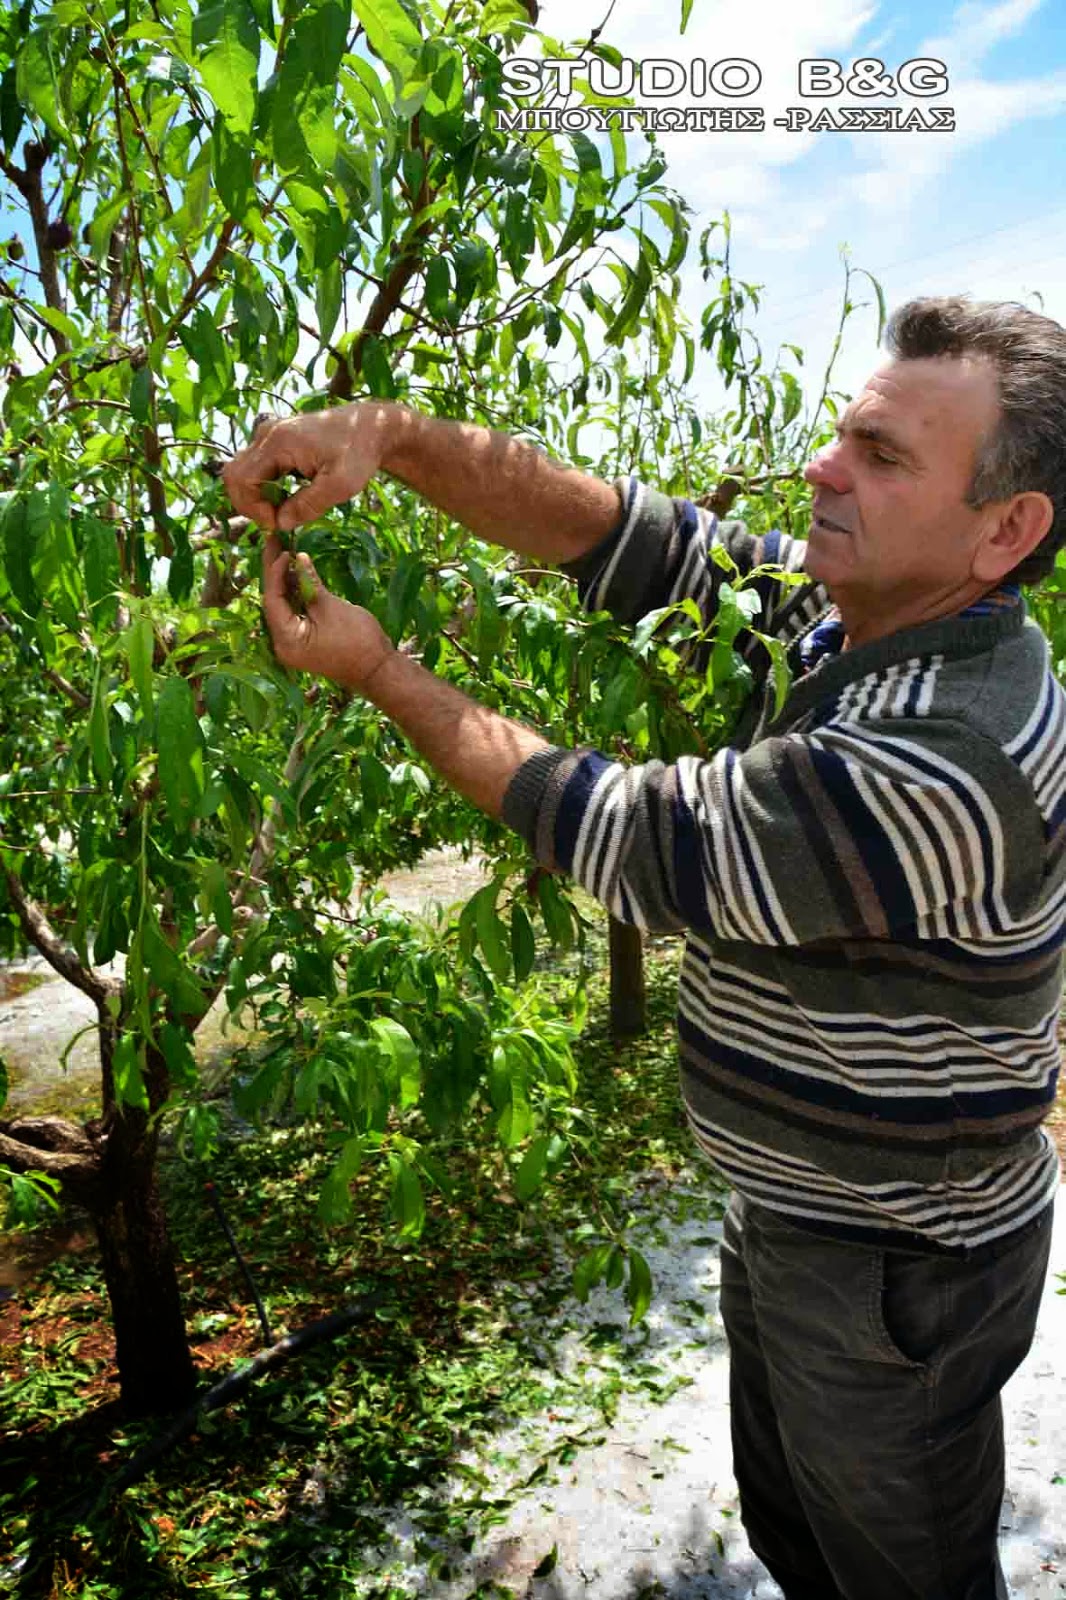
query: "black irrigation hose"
264, 1321
225, 1391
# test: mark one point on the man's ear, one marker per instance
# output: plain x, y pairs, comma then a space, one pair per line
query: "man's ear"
1015, 528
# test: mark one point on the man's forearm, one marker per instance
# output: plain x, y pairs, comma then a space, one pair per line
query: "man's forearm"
502, 489
475, 750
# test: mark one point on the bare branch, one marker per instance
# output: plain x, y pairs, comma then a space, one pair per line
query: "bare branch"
56, 1148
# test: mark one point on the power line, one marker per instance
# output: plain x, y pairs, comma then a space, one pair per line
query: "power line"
929, 255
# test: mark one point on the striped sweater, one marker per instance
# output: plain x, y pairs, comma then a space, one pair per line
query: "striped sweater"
873, 890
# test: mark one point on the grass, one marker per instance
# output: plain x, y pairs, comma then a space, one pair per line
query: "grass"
289, 1492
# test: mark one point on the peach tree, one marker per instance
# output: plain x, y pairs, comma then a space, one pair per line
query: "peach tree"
221, 211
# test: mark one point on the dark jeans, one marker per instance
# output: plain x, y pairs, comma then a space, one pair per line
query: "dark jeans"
866, 1420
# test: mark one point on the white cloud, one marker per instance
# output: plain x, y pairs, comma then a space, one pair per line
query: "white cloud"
899, 170
795, 198
976, 29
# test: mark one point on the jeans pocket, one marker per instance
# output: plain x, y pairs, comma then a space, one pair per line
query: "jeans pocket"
908, 1307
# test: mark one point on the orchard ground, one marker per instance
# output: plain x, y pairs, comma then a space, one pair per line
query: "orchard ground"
602, 1472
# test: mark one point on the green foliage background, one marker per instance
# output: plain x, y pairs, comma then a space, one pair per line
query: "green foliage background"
236, 210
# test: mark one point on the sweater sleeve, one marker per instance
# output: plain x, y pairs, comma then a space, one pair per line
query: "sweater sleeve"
852, 831
663, 551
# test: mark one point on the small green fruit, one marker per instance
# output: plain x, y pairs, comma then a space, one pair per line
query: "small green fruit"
274, 492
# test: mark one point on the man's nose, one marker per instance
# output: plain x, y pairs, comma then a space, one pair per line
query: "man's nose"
829, 469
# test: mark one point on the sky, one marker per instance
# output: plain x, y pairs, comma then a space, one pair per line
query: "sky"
980, 210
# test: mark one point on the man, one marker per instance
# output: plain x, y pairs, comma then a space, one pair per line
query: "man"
873, 889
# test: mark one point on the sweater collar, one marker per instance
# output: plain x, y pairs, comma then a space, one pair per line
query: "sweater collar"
971, 632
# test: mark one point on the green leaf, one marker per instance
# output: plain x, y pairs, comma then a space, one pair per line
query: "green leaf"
5, 1081
556, 913
302, 126
407, 1201
11, 112
140, 651
373, 781
231, 169
99, 734
523, 945
532, 1168
127, 1072
141, 394
375, 368
515, 1123
403, 1053
180, 742
518, 234
103, 225
639, 285
404, 586
793, 398
547, 1564
438, 287
226, 36
639, 1286
37, 81
171, 976
495, 17
211, 353
60, 322
614, 1271
491, 933
99, 558
686, 12
328, 300
17, 545
335, 1200
590, 1269
391, 34
590, 182
53, 556
176, 1045
782, 675
216, 896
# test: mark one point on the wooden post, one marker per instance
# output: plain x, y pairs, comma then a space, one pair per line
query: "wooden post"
629, 1010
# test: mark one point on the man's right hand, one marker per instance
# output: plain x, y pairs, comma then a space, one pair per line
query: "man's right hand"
339, 450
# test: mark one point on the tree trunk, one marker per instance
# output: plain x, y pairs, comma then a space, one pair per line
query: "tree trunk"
155, 1368
629, 1011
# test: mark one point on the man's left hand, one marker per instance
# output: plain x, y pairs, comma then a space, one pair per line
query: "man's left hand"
313, 630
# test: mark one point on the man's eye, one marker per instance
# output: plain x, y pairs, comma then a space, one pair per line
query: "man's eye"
883, 460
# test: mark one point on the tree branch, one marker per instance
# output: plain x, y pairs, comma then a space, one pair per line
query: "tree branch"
45, 940
56, 1148
116, 286
27, 181
72, 692
399, 275
202, 279
262, 850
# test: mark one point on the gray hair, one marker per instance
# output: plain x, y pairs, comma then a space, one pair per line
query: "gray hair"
1027, 448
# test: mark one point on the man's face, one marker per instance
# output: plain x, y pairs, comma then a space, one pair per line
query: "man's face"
891, 534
